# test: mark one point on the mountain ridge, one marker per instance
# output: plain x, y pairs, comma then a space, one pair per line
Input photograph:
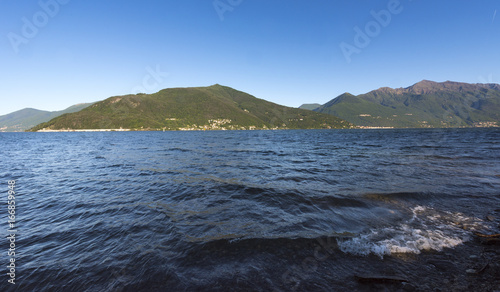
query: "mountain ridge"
310, 106
428, 86
423, 104
214, 107
27, 118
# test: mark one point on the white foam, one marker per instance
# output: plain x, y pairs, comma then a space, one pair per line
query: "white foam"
428, 229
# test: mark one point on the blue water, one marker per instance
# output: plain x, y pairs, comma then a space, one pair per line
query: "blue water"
237, 210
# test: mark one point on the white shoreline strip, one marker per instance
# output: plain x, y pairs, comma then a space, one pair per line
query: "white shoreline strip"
86, 130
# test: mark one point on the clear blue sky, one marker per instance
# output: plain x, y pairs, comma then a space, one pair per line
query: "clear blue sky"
288, 52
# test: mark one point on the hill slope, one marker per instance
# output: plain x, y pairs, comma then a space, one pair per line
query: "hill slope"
425, 104
24, 119
211, 108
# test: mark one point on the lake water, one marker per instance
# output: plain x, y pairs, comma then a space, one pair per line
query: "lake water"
239, 210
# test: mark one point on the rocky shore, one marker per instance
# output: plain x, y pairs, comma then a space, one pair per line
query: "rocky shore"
472, 266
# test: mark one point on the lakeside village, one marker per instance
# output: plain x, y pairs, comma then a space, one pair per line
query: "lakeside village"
224, 125
213, 125
220, 124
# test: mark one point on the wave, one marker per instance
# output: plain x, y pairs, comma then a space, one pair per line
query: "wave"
401, 196
428, 229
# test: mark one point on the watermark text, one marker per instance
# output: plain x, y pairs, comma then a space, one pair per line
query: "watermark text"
371, 30
11, 202
223, 6
31, 26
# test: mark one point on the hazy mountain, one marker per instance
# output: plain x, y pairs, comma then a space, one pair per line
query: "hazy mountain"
213, 107
27, 118
425, 104
310, 106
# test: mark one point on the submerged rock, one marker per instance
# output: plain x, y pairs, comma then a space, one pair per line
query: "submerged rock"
442, 264
379, 279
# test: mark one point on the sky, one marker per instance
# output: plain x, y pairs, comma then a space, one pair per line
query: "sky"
57, 53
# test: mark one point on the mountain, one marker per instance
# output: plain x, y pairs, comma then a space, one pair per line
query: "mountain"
310, 106
198, 108
24, 119
424, 104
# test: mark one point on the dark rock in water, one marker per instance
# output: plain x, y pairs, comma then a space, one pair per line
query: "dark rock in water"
408, 287
483, 268
481, 235
490, 218
442, 264
490, 241
379, 279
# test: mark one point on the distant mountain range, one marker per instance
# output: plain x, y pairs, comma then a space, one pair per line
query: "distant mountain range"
27, 118
425, 104
198, 108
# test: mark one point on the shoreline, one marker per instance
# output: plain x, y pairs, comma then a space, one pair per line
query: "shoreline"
85, 130
202, 130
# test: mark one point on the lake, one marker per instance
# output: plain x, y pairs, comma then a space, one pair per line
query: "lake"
287, 210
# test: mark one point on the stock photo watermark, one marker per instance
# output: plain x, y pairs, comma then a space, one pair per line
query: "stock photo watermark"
31, 26
372, 29
11, 210
295, 274
151, 81
223, 6
487, 80
120, 276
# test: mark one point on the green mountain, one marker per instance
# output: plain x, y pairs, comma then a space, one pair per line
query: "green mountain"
425, 104
310, 106
200, 108
27, 118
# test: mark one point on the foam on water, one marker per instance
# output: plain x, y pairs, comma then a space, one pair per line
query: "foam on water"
428, 229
